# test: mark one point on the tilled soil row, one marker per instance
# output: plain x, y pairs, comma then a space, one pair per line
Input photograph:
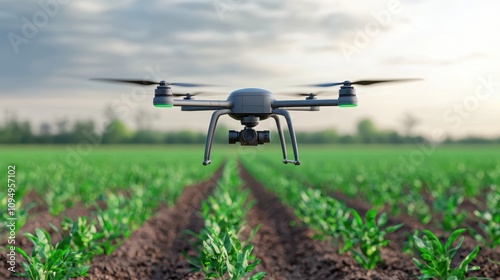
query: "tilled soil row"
155, 250
290, 252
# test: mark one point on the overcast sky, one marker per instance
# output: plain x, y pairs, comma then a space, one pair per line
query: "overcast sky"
50, 48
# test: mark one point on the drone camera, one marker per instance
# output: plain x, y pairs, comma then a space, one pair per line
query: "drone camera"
249, 137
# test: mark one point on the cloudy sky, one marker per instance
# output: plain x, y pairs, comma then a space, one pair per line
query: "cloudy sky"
50, 48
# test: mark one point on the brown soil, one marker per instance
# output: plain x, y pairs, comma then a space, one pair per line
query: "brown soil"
286, 249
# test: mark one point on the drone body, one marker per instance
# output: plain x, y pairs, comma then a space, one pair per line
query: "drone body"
251, 105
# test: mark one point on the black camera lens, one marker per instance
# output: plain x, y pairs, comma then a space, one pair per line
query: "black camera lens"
249, 135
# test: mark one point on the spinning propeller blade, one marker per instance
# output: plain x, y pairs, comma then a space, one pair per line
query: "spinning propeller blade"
178, 94
364, 82
305, 94
146, 82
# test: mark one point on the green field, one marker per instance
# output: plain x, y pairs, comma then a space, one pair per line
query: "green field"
118, 188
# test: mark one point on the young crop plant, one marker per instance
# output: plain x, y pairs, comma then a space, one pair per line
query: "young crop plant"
85, 237
223, 256
113, 224
436, 258
365, 240
21, 214
490, 219
220, 253
409, 245
49, 262
416, 206
324, 214
448, 206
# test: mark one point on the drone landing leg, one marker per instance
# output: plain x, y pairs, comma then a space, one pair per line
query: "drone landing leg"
282, 138
210, 134
285, 114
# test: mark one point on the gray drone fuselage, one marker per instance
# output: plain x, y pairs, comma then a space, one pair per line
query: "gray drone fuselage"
255, 102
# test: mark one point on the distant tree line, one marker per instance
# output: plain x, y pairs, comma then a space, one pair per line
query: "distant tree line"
15, 131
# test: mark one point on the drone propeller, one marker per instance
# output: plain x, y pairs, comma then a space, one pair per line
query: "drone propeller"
189, 95
310, 95
364, 82
146, 82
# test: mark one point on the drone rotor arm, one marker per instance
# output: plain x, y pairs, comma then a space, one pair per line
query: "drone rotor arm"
214, 104
303, 109
304, 103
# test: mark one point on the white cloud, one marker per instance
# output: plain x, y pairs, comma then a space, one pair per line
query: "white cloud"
261, 43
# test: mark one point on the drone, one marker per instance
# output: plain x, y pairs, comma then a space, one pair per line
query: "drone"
250, 106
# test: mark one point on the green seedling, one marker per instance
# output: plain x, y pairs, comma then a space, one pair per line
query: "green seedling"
324, 214
448, 206
49, 262
435, 257
223, 256
490, 220
365, 240
86, 237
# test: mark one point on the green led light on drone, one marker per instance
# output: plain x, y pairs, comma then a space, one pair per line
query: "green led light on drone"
347, 105
164, 105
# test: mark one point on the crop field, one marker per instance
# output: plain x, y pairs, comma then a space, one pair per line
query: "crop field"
154, 212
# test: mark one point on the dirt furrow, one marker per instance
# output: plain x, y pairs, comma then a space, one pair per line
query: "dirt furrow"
289, 252
286, 251
154, 251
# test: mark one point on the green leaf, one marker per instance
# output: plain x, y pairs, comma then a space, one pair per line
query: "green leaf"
382, 220
469, 258
22, 252
419, 243
437, 247
393, 228
370, 218
453, 236
258, 276
357, 218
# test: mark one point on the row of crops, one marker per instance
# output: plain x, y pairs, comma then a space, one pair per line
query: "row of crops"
120, 189
431, 192
436, 186
222, 251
